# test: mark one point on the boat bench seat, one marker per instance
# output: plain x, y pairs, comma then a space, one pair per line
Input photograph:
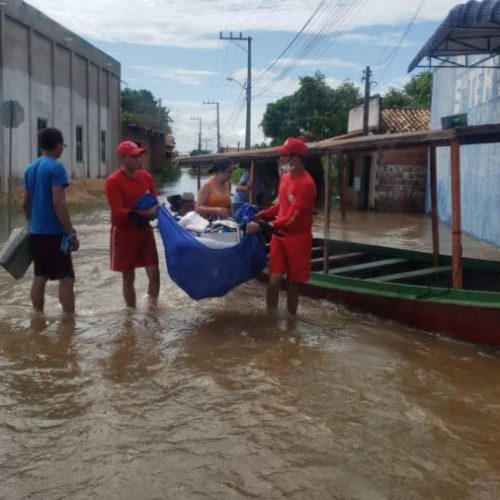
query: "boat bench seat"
338, 258
413, 274
367, 266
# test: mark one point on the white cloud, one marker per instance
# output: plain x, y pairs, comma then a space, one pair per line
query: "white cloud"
319, 63
178, 23
179, 75
384, 40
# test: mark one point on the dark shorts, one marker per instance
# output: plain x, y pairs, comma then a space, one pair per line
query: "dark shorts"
49, 261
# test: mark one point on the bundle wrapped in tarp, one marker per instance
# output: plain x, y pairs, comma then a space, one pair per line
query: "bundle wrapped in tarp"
203, 271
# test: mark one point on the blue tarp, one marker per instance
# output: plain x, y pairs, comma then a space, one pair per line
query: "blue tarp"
202, 271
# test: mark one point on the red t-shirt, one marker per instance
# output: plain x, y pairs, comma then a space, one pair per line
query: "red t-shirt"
123, 191
296, 201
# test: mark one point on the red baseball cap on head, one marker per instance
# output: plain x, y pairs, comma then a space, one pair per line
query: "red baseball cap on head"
129, 148
293, 146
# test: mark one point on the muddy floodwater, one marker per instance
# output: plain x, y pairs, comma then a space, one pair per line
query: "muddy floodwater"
219, 400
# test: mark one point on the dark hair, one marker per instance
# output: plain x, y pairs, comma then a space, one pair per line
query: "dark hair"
50, 138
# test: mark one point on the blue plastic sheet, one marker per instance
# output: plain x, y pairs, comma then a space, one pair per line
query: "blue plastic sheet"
204, 272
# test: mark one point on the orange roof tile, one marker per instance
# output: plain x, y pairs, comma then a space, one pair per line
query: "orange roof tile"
398, 120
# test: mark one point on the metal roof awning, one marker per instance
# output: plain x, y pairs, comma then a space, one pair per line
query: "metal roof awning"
471, 29
476, 134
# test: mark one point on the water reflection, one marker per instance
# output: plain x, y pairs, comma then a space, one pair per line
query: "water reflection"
43, 381
134, 349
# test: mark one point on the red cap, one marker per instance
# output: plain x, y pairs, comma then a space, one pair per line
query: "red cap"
129, 148
293, 146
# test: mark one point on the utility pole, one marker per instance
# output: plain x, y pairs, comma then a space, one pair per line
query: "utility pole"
365, 183
218, 123
367, 74
248, 86
199, 133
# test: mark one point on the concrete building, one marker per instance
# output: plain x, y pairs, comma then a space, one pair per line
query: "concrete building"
61, 81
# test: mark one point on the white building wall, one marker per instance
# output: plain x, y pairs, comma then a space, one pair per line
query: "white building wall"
58, 77
477, 93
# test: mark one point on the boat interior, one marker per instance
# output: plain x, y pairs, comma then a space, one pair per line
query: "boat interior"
394, 265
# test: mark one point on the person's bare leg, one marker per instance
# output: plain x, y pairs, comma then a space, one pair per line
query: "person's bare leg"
67, 295
292, 298
153, 273
38, 292
128, 288
273, 290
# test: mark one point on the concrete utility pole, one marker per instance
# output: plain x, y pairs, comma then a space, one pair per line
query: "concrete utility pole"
365, 188
367, 74
218, 123
248, 86
199, 132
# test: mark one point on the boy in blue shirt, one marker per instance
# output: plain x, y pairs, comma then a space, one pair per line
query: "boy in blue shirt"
45, 208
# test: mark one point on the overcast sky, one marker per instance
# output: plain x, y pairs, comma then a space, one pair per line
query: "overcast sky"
172, 48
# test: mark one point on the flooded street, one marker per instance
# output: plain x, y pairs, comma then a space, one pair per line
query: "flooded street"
219, 400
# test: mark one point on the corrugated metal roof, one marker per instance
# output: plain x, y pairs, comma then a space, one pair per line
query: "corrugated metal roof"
470, 29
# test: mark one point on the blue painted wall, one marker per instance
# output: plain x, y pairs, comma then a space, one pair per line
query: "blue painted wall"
477, 93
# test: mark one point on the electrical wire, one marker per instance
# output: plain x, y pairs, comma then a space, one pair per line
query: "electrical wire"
392, 55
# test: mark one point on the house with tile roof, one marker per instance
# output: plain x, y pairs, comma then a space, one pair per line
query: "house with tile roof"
389, 180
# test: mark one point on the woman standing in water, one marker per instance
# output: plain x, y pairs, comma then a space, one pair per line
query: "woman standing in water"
214, 197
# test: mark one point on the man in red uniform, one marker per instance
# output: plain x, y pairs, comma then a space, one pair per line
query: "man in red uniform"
290, 252
132, 239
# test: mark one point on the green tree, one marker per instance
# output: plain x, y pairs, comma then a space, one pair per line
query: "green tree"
314, 111
141, 108
417, 93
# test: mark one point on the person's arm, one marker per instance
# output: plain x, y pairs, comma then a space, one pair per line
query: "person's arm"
119, 212
61, 209
304, 200
270, 212
201, 201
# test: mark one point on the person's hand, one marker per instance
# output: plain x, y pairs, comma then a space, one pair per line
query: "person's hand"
150, 213
75, 244
252, 228
259, 215
222, 211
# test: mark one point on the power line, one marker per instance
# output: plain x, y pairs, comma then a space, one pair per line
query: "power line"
392, 55
329, 22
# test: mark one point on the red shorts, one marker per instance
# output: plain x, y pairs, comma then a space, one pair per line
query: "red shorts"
132, 247
291, 254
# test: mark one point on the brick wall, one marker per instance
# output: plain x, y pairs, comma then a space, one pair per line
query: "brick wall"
401, 181
154, 143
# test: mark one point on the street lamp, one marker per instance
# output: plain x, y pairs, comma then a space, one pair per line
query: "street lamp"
199, 133
247, 90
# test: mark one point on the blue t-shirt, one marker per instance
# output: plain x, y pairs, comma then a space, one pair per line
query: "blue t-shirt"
42, 175
242, 196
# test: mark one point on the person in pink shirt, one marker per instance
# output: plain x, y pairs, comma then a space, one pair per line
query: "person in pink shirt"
290, 251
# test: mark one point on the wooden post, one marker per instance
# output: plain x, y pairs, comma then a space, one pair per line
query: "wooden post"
434, 207
456, 215
252, 180
341, 166
326, 160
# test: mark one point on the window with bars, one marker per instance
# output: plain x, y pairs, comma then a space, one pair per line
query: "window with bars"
41, 124
103, 145
79, 143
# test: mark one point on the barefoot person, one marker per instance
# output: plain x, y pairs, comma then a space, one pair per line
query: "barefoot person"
132, 239
290, 252
51, 232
